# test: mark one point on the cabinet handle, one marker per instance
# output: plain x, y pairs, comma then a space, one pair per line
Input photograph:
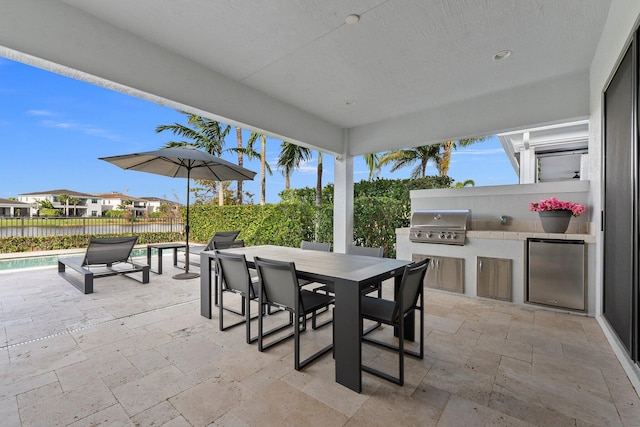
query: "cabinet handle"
480, 266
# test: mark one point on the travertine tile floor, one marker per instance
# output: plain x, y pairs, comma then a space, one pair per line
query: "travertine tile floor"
133, 354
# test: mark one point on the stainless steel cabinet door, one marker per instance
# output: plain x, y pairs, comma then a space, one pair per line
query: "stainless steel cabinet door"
494, 276
444, 273
555, 273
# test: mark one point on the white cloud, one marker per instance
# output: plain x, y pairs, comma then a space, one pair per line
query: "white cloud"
41, 113
486, 152
309, 166
82, 128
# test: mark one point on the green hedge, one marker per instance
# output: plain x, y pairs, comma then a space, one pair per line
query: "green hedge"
283, 224
286, 224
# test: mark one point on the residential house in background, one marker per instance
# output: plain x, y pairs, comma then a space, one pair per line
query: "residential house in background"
154, 203
14, 208
119, 201
86, 204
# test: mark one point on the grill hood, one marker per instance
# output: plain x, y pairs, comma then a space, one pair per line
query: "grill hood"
440, 226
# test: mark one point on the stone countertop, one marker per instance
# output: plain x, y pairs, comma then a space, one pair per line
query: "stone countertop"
517, 235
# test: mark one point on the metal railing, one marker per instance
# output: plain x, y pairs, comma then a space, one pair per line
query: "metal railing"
55, 226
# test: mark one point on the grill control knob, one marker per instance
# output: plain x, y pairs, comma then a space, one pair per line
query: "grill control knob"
441, 236
418, 234
455, 236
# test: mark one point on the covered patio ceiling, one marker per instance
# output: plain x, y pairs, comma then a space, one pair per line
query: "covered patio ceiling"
409, 72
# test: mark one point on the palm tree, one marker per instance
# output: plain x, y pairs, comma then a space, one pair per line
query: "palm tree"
448, 147
64, 199
240, 163
440, 154
371, 160
319, 181
204, 133
290, 159
75, 202
466, 183
251, 153
407, 157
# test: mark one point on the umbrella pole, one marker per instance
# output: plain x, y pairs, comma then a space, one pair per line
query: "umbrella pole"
186, 274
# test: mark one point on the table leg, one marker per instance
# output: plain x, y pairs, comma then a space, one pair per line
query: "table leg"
175, 257
149, 250
159, 260
205, 285
347, 335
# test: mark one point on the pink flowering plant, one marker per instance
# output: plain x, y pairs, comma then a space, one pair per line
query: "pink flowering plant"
553, 204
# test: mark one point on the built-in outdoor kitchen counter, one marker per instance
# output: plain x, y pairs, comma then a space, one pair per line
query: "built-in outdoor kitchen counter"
492, 262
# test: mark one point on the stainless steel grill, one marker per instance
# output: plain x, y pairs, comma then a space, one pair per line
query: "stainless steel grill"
440, 226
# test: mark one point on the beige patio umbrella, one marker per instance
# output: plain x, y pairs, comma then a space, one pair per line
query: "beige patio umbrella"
182, 162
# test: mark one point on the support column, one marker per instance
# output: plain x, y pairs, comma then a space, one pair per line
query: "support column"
528, 162
528, 166
343, 201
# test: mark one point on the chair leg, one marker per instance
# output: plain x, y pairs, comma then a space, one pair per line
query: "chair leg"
262, 346
296, 340
314, 323
245, 317
401, 353
301, 364
248, 320
400, 349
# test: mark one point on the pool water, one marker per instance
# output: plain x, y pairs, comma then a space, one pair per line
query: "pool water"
45, 261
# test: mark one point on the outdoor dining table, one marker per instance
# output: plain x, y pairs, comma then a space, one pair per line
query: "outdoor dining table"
348, 273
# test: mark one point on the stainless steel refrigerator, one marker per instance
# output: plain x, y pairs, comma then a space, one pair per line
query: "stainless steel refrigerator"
556, 273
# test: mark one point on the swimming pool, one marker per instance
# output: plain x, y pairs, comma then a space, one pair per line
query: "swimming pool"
49, 260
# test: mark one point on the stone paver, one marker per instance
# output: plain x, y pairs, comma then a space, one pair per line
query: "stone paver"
134, 354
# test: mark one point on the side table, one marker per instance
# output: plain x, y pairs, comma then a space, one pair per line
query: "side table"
160, 247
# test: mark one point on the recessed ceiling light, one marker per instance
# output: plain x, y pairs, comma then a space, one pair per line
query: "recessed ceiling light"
352, 19
503, 54
350, 102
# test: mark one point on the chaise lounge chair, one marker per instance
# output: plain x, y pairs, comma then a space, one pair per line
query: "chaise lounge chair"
105, 256
218, 236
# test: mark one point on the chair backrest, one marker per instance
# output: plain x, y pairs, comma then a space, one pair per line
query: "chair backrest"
315, 246
278, 282
234, 272
229, 244
109, 250
222, 236
410, 288
366, 251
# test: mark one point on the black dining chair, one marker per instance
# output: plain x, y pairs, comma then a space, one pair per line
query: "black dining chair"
409, 299
279, 287
218, 237
359, 250
313, 246
222, 245
234, 278
373, 252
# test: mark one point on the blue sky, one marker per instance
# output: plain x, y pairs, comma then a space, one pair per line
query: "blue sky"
53, 129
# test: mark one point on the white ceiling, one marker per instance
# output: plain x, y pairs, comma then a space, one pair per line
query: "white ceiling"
417, 71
